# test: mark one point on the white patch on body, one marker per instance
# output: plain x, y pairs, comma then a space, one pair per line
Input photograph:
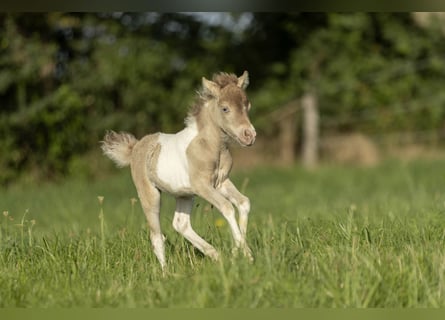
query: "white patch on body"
172, 165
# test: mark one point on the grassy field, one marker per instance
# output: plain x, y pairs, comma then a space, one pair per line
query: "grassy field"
335, 237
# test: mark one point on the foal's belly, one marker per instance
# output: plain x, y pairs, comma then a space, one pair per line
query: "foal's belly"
173, 178
172, 171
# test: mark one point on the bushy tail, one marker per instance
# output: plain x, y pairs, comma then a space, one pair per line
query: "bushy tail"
118, 147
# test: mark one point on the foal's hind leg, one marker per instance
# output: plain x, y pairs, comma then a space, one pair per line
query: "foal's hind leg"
149, 197
150, 200
181, 223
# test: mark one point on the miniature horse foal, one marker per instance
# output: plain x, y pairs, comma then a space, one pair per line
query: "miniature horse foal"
194, 161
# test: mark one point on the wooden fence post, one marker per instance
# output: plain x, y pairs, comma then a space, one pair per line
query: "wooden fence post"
288, 133
310, 132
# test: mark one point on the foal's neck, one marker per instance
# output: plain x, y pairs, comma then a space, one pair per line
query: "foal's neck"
208, 131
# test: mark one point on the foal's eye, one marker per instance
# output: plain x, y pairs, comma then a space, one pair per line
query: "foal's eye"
225, 109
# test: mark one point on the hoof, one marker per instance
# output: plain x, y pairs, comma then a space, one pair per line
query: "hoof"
245, 250
214, 255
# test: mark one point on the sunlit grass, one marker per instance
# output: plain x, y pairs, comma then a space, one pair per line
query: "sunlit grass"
335, 237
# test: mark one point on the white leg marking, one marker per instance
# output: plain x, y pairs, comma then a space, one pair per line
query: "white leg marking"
157, 240
244, 209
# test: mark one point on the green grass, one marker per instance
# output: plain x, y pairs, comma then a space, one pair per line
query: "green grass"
335, 237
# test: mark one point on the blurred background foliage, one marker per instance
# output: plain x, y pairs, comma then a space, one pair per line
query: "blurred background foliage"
65, 78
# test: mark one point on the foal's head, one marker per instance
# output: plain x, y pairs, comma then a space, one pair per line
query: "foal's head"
230, 106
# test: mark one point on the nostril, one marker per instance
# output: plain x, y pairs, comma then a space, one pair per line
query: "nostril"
247, 133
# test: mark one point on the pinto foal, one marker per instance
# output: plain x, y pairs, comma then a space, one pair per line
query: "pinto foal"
194, 161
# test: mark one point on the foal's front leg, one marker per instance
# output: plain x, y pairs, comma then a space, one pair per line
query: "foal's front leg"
215, 197
242, 203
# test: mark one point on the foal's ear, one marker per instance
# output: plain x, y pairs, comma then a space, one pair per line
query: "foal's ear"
210, 87
243, 81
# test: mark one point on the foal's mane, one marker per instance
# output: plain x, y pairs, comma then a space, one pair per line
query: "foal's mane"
223, 79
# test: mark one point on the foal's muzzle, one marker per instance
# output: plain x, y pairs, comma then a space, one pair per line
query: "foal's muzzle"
248, 135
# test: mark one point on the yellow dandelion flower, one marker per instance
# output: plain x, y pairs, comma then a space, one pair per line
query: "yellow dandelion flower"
220, 222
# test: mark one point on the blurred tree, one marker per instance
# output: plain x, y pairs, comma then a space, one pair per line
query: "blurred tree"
379, 66
67, 77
